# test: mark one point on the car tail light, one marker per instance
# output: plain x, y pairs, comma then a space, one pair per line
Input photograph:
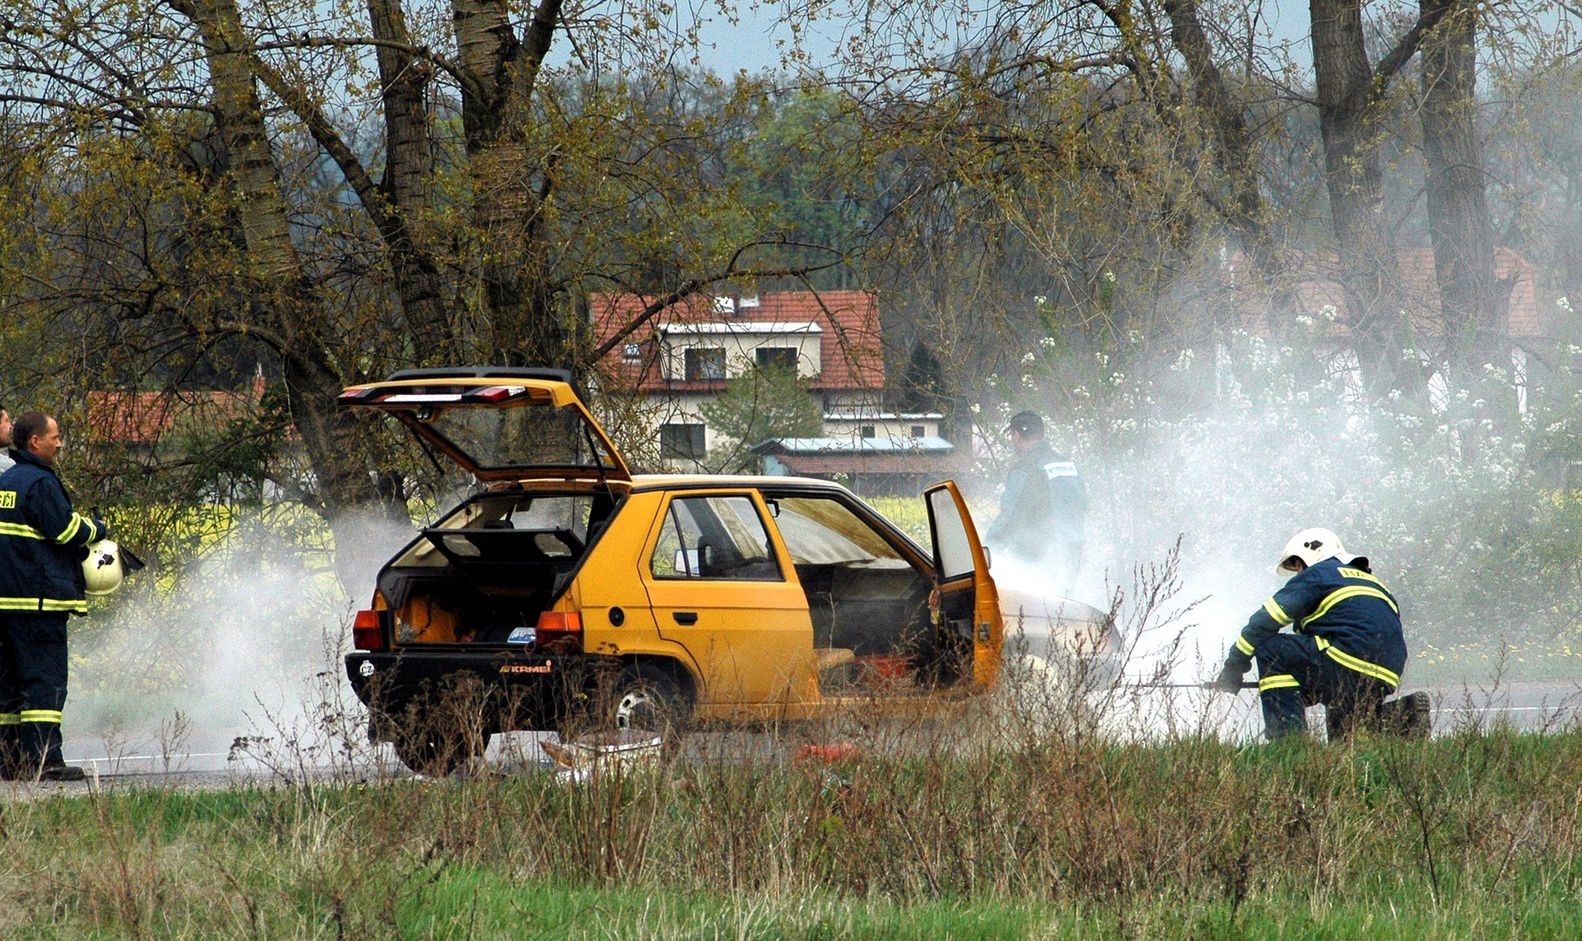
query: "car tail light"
560, 631
367, 632
495, 393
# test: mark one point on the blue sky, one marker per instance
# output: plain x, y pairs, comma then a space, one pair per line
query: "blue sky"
751, 43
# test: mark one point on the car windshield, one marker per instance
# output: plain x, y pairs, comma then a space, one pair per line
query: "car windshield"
520, 438
822, 531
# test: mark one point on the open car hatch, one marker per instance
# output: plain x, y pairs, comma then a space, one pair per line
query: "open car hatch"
498, 423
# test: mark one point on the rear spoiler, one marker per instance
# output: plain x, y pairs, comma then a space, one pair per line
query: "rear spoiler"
487, 372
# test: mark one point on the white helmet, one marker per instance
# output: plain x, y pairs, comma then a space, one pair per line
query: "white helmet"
103, 569
1311, 546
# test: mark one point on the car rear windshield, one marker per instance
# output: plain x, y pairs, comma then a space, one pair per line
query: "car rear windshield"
521, 438
545, 513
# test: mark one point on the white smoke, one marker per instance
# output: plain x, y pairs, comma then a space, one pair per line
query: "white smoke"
244, 641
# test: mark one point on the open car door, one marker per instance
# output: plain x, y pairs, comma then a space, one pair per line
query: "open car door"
968, 611
499, 423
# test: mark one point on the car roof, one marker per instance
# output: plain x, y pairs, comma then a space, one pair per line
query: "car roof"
692, 481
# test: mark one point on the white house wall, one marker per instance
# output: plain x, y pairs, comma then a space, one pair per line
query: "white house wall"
741, 343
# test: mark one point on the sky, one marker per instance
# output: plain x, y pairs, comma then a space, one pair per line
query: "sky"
758, 40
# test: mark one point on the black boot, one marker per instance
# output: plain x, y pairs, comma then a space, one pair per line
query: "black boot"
62, 772
1410, 716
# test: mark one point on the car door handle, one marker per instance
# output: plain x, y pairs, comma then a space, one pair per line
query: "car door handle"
685, 617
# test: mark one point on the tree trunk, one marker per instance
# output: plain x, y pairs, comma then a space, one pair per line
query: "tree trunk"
1477, 328
1248, 212
1349, 102
282, 293
520, 324
409, 172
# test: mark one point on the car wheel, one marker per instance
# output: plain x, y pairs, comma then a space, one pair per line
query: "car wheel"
649, 701
430, 754
432, 744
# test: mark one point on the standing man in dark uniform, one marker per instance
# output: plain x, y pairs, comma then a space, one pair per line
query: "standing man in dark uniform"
42, 545
1347, 650
1044, 507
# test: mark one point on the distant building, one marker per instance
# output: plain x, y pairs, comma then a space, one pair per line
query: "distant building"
1320, 288
1319, 295
681, 359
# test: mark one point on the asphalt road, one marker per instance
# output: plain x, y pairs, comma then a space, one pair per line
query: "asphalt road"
1526, 706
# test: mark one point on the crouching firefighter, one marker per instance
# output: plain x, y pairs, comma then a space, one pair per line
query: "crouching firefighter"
42, 546
1345, 651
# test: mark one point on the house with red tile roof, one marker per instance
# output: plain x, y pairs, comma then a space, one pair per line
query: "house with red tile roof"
1320, 298
679, 357
1320, 288
138, 420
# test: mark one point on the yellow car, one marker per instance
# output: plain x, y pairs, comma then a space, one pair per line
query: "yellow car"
572, 592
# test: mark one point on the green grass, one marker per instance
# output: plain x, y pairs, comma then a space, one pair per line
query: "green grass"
1055, 835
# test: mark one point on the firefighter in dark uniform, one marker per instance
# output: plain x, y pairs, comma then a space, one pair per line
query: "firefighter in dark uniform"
1346, 650
42, 545
1044, 507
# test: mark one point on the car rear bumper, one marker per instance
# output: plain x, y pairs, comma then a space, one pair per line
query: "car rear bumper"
520, 691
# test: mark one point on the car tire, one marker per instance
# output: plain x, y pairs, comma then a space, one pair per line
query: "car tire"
430, 754
429, 746
647, 700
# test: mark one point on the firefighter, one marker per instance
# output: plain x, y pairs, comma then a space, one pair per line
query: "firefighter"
1044, 507
1346, 650
42, 545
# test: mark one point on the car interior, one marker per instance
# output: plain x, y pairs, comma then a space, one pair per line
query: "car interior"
491, 567
863, 595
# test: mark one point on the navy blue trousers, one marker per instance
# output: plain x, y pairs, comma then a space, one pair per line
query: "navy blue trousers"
32, 685
1294, 674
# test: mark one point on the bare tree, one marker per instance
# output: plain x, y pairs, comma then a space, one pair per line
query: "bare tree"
202, 181
1352, 99
1472, 299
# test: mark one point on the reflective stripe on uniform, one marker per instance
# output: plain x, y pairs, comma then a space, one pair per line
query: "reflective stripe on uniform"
47, 716
1243, 646
70, 530
1276, 612
10, 718
1356, 663
1278, 681
20, 529
1350, 591
79, 606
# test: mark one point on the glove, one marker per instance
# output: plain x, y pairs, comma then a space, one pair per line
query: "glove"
1228, 681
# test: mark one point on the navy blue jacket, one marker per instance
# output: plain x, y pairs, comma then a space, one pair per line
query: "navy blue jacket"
1354, 618
42, 540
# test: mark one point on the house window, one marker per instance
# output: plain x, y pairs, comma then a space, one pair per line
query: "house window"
917, 431
681, 440
867, 431
632, 352
776, 357
706, 362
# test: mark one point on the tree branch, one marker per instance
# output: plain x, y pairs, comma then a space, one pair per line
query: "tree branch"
1396, 58
694, 285
440, 61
